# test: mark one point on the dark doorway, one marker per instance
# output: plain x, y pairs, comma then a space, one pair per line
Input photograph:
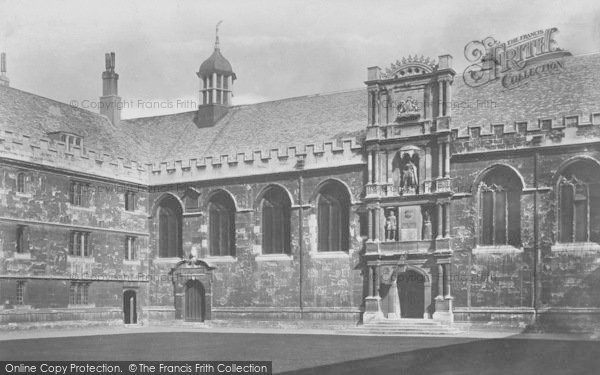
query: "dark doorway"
129, 307
411, 288
194, 301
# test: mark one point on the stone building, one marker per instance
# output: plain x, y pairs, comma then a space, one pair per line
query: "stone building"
417, 197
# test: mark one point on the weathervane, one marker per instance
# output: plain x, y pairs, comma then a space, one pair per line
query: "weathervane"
217, 35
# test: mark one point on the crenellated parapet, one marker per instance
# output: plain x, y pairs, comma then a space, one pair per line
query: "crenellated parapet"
46, 152
566, 130
333, 154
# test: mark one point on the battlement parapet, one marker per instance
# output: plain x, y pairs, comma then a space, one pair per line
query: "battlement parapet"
259, 162
546, 131
56, 154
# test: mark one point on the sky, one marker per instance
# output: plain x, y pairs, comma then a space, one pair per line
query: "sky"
278, 49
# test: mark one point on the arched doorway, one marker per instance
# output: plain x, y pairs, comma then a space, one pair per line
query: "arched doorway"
411, 290
129, 307
194, 301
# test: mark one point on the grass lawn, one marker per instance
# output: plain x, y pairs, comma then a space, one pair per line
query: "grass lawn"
324, 354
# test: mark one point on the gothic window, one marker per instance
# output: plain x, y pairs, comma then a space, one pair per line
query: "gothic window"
579, 203
169, 228
333, 218
275, 207
221, 222
500, 203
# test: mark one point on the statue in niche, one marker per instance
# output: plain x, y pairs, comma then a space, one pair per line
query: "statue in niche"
391, 223
408, 178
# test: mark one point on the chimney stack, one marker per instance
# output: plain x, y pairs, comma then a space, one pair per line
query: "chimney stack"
4, 81
110, 102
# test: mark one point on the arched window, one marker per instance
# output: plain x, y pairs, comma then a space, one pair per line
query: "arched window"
21, 182
333, 218
500, 202
169, 228
221, 222
275, 207
579, 202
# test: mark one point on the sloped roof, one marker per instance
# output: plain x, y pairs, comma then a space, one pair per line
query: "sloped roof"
263, 126
36, 116
298, 121
574, 91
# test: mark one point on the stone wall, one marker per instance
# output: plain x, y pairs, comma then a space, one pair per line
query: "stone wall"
43, 209
261, 286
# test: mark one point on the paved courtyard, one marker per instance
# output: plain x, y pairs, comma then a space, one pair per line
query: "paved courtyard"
321, 353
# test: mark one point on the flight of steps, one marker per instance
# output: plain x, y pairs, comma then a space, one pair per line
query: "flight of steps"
407, 327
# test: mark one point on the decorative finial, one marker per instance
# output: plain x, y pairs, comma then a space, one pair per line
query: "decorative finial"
217, 46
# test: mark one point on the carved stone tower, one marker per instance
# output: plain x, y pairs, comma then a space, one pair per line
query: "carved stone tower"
408, 190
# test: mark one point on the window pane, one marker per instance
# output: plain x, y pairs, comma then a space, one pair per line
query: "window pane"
267, 227
500, 218
225, 232
163, 235
581, 220
334, 227
487, 211
594, 205
323, 223
213, 222
566, 213
279, 231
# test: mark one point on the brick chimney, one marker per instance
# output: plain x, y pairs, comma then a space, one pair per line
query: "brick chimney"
4, 81
110, 102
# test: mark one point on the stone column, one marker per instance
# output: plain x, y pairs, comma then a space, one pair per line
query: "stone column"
448, 99
381, 224
440, 294
440, 98
440, 160
447, 161
376, 167
373, 302
377, 217
446, 280
370, 219
370, 167
428, 174
377, 108
447, 220
440, 222
371, 276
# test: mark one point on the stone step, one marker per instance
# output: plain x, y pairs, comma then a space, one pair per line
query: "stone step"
403, 331
414, 327
401, 322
